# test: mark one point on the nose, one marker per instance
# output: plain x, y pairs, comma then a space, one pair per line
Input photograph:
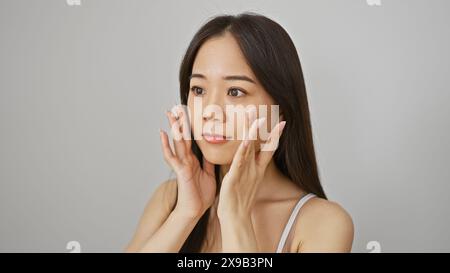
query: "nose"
213, 109
213, 113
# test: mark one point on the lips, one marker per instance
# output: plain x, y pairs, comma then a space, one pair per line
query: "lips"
214, 139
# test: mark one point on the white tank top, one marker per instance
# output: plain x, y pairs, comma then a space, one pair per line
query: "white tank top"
288, 227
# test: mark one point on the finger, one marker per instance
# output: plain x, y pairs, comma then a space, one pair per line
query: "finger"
169, 157
187, 134
180, 147
184, 123
253, 133
244, 127
250, 117
238, 158
269, 148
208, 167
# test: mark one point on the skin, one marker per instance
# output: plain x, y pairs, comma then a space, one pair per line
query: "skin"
255, 199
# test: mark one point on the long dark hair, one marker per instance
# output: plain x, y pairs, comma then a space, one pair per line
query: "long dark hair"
272, 56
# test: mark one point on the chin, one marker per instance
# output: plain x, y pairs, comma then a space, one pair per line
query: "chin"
217, 154
217, 159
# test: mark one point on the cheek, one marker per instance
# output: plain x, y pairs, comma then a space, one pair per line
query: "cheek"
235, 125
195, 117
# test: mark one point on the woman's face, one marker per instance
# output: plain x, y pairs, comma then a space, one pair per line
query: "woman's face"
222, 84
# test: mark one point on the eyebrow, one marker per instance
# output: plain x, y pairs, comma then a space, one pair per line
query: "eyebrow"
228, 78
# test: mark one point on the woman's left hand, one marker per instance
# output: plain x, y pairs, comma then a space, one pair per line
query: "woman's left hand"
240, 185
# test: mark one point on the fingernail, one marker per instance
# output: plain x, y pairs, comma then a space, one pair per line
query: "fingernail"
261, 121
282, 124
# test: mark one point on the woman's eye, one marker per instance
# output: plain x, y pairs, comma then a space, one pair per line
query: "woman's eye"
197, 90
235, 92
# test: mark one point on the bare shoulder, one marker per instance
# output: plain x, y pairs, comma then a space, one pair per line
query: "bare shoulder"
323, 226
319, 210
156, 211
163, 197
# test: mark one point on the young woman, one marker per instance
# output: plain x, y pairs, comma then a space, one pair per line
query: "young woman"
230, 194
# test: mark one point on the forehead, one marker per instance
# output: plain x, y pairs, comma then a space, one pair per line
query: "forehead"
219, 56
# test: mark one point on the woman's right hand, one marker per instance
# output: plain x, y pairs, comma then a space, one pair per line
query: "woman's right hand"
196, 185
